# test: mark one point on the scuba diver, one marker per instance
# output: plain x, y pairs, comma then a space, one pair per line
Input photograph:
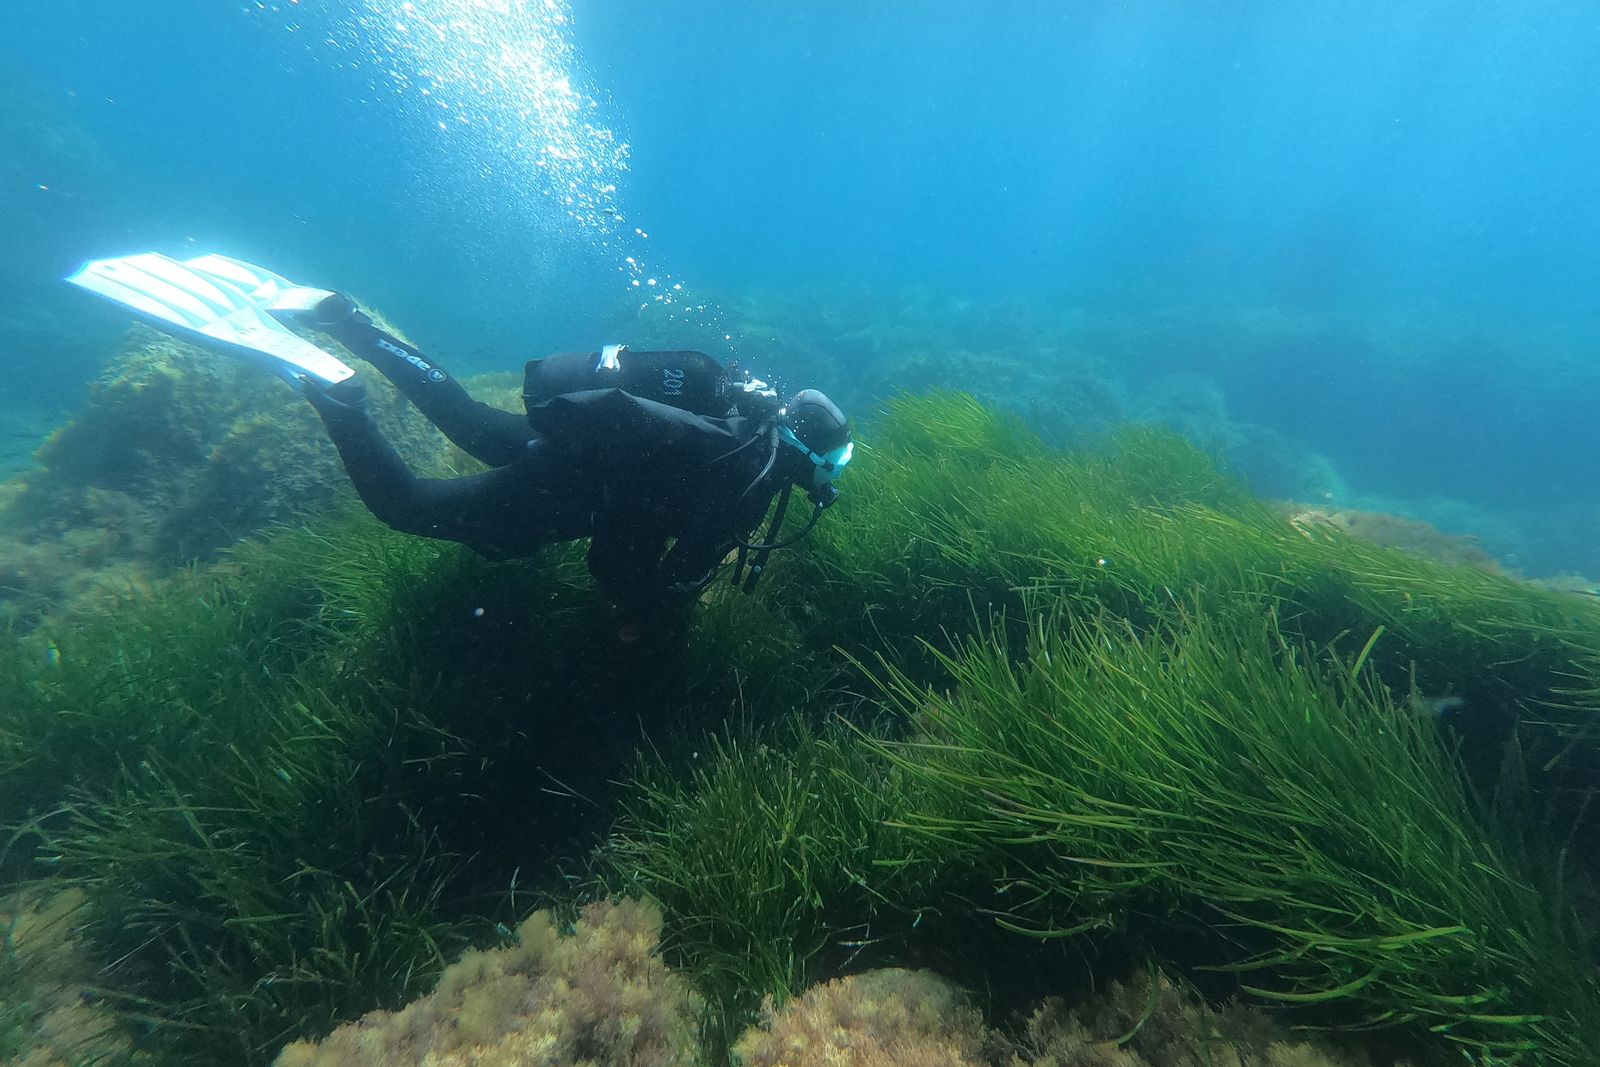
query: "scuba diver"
667, 461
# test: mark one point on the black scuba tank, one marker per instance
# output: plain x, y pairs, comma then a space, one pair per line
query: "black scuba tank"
692, 381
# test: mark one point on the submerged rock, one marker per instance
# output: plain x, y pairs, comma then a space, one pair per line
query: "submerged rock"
599, 995
48, 1016
1393, 531
177, 454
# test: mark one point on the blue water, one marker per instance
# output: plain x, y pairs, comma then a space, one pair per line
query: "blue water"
1370, 227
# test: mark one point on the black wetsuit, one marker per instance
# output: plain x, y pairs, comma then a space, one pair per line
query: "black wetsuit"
629, 473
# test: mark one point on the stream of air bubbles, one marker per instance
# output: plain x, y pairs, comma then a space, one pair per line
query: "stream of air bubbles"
503, 82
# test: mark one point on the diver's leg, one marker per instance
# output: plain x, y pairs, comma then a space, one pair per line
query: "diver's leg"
486, 433
500, 512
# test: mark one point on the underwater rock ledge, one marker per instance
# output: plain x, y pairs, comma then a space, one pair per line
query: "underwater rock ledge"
598, 995
177, 455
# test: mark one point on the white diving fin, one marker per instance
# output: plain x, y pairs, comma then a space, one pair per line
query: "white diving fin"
219, 303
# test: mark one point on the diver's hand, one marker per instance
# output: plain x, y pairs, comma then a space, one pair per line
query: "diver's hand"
655, 622
341, 400
631, 617
333, 312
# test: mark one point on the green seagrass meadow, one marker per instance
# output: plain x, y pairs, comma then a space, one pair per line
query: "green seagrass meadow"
1035, 720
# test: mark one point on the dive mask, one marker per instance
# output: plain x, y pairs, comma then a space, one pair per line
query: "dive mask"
826, 466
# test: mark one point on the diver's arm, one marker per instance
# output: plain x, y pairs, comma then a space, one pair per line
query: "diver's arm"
484, 432
625, 561
691, 565
696, 555
624, 558
483, 511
